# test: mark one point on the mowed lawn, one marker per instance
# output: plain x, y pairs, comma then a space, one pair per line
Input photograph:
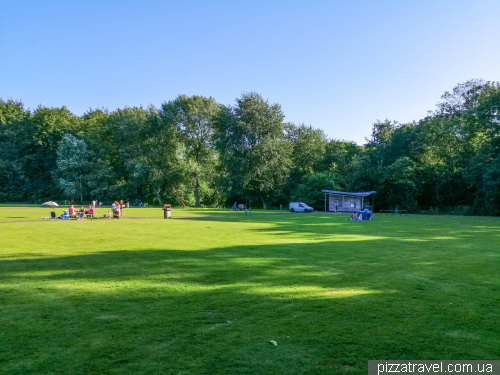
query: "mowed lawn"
206, 295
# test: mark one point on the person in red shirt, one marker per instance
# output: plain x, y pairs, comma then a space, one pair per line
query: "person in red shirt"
72, 210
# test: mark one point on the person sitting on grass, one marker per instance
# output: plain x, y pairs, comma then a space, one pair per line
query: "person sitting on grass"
72, 210
354, 216
91, 210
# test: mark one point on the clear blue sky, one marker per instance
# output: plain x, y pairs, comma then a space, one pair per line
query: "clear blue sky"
335, 65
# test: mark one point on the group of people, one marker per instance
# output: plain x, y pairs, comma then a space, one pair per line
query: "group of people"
95, 204
90, 211
117, 208
238, 207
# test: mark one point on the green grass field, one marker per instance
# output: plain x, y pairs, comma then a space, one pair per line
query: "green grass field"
206, 295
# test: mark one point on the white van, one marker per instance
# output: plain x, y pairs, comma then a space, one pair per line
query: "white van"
300, 207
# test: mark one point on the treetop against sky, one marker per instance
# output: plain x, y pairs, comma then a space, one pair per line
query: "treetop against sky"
335, 65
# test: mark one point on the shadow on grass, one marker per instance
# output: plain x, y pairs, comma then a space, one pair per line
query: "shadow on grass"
330, 305
408, 228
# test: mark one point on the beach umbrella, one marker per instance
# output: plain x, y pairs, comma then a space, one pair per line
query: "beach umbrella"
50, 204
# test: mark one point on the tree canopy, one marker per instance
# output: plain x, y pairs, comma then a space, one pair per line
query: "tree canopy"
196, 151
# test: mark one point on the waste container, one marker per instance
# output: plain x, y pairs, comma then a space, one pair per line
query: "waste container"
167, 211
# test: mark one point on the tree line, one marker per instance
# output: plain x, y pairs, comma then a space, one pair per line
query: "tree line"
195, 151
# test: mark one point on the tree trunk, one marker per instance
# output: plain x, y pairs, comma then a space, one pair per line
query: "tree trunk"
264, 204
178, 197
158, 198
197, 190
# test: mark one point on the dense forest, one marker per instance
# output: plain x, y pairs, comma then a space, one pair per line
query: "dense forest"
195, 151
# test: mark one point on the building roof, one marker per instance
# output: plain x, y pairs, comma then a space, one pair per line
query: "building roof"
365, 194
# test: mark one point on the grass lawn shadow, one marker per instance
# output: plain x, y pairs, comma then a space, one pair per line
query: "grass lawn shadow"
332, 294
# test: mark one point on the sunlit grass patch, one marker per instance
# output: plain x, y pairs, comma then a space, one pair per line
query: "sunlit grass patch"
206, 295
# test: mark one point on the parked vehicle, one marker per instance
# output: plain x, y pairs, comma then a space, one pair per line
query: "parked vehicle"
299, 207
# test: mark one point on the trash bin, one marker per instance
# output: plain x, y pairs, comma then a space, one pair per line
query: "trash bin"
167, 211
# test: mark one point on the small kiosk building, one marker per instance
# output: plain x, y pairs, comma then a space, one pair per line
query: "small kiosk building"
348, 202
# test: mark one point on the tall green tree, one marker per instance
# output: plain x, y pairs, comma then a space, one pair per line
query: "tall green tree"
16, 138
253, 148
49, 126
73, 167
146, 156
193, 118
309, 146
